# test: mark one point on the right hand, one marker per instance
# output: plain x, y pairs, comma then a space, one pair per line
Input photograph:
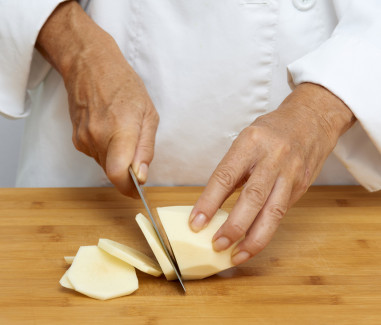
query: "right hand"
114, 119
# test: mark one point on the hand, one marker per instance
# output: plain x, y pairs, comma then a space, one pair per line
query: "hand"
276, 159
114, 119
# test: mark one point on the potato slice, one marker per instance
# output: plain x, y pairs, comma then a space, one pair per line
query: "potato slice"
154, 242
194, 251
99, 275
65, 282
130, 256
69, 259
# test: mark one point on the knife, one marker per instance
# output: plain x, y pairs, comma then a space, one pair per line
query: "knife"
160, 232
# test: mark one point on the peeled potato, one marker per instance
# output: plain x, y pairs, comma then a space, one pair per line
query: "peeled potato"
99, 275
194, 252
130, 256
154, 242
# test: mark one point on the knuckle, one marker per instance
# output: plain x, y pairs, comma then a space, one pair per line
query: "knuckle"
82, 137
282, 149
94, 132
140, 105
303, 182
251, 133
224, 175
276, 212
254, 194
261, 119
155, 116
149, 111
116, 180
303, 186
297, 164
79, 144
122, 186
126, 191
255, 245
286, 147
113, 174
236, 230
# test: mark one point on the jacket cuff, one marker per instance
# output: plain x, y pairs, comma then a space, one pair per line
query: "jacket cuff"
20, 23
350, 68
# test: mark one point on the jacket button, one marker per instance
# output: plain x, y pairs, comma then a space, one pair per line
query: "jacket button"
303, 5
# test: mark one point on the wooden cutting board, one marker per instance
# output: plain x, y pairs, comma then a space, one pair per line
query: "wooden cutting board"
322, 267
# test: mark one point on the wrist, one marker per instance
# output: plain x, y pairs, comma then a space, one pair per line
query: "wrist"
324, 108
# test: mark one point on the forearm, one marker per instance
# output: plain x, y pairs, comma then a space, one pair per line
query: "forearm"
69, 34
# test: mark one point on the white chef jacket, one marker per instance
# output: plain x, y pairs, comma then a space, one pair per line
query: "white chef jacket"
211, 68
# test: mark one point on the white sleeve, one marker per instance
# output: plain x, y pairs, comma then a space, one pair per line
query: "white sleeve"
20, 23
349, 65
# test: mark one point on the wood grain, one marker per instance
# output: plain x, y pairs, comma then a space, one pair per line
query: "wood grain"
322, 267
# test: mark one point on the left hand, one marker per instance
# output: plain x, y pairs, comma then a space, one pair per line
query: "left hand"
276, 159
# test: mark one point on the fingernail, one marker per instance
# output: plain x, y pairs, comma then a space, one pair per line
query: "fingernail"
142, 172
221, 243
240, 257
198, 222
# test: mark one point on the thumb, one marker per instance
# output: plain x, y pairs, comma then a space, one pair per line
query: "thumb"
145, 148
120, 153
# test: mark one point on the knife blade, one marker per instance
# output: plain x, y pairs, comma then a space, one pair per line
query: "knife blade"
155, 220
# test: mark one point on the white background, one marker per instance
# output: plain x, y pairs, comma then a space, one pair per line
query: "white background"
10, 142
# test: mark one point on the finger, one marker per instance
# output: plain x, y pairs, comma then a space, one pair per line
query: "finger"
120, 151
249, 203
236, 163
145, 147
266, 223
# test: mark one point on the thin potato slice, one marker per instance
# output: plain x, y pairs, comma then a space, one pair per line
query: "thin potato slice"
99, 275
154, 242
130, 256
69, 259
194, 251
65, 282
